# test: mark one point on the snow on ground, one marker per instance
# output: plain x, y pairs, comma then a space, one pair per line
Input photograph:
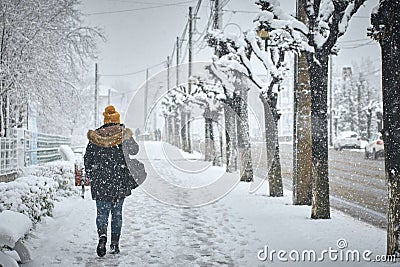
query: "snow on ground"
228, 232
20, 226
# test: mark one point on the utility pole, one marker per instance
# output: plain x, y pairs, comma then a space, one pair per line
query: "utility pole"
302, 144
217, 15
189, 144
168, 79
217, 26
109, 97
177, 123
168, 128
177, 62
96, 96
190, 49
7, 129
331, 101
146, 94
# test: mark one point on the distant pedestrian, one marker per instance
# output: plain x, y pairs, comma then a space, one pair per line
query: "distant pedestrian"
109, 175
137, 133
155, 135
159, 134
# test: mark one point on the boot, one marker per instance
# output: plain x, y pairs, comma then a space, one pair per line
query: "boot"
101, 247
114, 246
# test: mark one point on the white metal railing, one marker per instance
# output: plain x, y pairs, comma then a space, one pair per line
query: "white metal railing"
8, 155
45, 149
25, 148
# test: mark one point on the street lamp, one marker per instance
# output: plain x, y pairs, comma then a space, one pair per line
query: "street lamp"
264, 35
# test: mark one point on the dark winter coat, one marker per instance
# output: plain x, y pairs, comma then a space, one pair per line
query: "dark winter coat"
105, 164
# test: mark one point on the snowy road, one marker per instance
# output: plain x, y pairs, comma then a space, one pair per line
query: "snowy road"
228, 232
357, 185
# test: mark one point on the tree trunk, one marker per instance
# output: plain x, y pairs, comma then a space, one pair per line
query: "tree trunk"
359, 108
211, 141
166, 128
221, 145
216, 143
183, 130
272, 146
207, 143
318, 69
391, 136
188, 135
1, 115
213, 144
369, 121
230, 137
275, 173
177, 138
379, 120
246, 167
388, 22
170, 129
302, 145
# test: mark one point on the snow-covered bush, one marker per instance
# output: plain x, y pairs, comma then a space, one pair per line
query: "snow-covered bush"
61, 172
31, 195
34, 195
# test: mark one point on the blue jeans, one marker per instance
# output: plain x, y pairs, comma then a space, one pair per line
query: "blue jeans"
103, 212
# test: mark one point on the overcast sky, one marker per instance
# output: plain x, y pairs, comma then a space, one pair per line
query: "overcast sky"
141, 34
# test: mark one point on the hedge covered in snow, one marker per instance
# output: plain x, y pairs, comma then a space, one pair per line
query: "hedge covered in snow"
34, 194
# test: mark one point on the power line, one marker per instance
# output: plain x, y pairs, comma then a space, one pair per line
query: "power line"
200, 40
145, 3
355, 40
257, 12
185, 30
196, 11
133, 73
182, 38
137, 9
361, 17
360, 45
241, 11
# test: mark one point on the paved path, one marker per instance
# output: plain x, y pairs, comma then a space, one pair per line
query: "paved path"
228, 232
153, 233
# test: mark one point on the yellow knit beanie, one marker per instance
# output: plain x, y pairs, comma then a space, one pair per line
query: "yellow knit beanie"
111, 115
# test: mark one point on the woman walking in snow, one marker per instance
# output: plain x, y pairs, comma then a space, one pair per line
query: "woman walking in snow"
109, 176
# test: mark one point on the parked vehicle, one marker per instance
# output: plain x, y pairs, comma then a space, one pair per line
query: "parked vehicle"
347, 139
375, 147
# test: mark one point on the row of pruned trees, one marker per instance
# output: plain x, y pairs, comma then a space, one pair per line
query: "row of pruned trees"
318, 28
44, 48
176, 106
312, 37
275, 35
325, 22
231, 73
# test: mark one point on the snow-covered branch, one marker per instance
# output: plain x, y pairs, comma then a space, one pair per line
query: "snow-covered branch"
45, 48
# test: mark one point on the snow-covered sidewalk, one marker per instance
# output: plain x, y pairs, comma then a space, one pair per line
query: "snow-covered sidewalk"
228, 232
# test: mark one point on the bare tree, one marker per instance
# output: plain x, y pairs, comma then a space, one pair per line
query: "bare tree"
44, 48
